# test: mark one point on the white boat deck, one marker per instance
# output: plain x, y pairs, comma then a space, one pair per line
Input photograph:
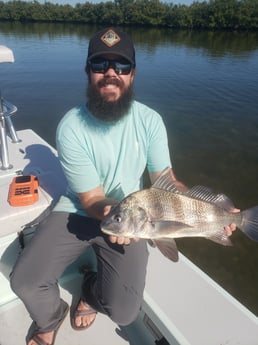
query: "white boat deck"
15, 323
195, 308
33, 156
181, 304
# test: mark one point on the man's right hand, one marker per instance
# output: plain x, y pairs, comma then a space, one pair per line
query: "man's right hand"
120, 240
124, 241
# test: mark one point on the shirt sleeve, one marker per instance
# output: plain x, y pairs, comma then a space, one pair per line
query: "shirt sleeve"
158, 156
75, 159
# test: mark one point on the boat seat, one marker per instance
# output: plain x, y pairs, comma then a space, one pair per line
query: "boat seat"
6, 54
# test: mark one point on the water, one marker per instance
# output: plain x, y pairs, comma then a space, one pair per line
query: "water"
204, 84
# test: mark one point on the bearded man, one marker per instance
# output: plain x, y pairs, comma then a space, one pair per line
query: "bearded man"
104, 147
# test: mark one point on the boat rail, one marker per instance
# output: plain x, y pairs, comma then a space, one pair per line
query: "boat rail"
6, 110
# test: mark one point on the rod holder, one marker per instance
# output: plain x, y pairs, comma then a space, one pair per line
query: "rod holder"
6, 109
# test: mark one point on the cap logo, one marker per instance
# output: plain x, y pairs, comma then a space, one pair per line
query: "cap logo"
110, 38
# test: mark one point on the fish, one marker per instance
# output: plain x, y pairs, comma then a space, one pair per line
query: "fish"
162, 213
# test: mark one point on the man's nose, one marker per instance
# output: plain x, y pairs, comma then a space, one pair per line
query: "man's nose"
110, 71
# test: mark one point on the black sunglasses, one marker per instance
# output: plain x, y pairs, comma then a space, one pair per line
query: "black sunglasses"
101, 66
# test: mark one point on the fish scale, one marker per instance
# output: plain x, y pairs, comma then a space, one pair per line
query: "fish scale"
164, 205
198, 216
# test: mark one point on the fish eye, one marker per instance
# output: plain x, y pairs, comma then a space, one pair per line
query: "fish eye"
118, 218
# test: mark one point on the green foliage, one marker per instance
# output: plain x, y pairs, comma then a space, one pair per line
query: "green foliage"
212, 14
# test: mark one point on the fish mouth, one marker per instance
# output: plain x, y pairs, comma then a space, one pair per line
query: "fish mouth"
114, 233
108, 231
105, 230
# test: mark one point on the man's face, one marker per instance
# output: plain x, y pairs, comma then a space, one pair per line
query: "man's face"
110, 91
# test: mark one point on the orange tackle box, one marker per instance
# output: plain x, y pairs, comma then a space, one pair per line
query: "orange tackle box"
23, 190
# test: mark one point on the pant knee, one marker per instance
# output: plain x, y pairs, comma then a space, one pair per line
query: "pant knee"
21, 286
17, 284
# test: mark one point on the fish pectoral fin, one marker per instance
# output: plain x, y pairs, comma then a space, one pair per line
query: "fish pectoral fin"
167, 227
151, 243
221, 238
168, 248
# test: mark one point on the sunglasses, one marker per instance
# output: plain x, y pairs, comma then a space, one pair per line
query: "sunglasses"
101, 66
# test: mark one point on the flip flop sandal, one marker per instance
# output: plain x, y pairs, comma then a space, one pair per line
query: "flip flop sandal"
78, 313
40, 341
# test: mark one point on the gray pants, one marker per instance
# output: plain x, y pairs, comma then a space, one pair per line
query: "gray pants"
115, 290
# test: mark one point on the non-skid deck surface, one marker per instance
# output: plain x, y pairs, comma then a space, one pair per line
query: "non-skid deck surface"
15, 323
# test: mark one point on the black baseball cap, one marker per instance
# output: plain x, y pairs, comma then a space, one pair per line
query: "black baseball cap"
111, 41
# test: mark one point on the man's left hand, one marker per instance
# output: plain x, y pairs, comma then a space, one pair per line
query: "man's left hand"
231, 227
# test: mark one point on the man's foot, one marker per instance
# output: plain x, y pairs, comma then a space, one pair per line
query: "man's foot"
42, 339
83, 317
48, 338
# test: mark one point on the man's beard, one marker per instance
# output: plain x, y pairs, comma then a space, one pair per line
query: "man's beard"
109, 111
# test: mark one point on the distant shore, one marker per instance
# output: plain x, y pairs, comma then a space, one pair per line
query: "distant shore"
205, 15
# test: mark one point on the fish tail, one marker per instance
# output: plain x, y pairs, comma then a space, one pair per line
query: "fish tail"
249, 223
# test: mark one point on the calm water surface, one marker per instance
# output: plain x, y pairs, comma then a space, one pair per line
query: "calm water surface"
204, 84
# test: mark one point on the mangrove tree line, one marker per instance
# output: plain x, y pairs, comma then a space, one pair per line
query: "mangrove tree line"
212, 14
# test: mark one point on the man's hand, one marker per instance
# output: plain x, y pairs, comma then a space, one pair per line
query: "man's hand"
122, 240
119, 240
231, 227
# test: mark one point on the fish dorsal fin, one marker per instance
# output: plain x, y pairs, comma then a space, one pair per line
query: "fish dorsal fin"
205, 194
165, 181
